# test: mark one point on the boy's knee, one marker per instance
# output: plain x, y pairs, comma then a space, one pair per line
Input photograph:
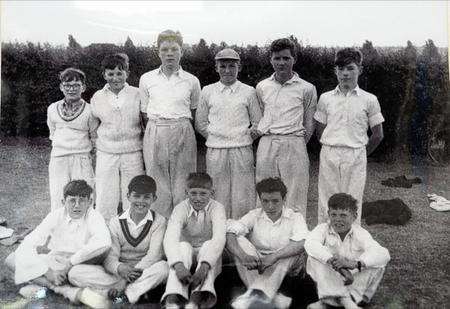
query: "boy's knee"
75, 274
162, 268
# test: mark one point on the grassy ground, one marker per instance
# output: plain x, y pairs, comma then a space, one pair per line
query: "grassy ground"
416, 277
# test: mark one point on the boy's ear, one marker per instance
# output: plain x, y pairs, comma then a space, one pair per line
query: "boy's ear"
155, 197
360, 70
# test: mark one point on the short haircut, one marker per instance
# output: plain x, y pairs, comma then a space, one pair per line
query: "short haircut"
270, 185
282, 44
119, 60
343, 201
199, 180
346, 56
170, 36
77, 188
72, 74
142, 184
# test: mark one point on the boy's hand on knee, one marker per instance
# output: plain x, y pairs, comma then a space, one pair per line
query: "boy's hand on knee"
266, 261
182, 273
250, 261
348, 277
200, 275
55, 277
128, 272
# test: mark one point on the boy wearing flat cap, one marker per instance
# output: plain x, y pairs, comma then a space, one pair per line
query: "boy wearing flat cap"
227, 116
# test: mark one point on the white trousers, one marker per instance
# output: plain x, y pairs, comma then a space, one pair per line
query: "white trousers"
330, 283
63, 169
341, 169
285, 157
113, 173
170, 155
188, 256
96, 278
233, 174
271, 279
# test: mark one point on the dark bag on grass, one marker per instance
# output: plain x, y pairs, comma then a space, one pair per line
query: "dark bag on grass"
394, 212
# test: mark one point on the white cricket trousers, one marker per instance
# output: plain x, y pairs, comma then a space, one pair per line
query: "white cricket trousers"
63, 169
170, 155
96, 278
233, 173
331, 284
113, 173
286, 157
188, 256
271, 279
341, 170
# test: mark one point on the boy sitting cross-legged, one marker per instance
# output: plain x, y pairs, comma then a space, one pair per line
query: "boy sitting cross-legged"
134, 264
344, 260
55, 252
195, 239
267, 243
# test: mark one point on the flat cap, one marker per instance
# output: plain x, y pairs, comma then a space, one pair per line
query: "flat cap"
227, 53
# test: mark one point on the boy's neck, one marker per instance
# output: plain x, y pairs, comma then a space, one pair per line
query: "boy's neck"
347, 89
282, 78
169, 70
72, 102
137, 217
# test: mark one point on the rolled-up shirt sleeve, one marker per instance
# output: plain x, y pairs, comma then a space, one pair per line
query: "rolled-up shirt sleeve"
300, 229
99, 241
374, 112
314, 244
374, 254
244, 225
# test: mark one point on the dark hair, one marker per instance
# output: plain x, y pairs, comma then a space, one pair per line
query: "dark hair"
199, 180
72, 74
77, 188
171, 36
270, 185
119, 60
282, 44
142, 184
343, 201
346, 56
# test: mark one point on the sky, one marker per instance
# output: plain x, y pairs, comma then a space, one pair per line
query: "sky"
319, 23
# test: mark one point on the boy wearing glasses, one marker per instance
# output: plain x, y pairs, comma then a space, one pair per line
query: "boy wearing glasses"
71, 125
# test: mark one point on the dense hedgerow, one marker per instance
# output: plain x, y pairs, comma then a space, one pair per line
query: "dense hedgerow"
410, 83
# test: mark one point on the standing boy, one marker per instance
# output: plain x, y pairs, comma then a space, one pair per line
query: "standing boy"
227, 116
134, 264
267, 244
288, 104
71, 126
195, 239
56, 250
344, 260
169, 97
343, 118
119, 142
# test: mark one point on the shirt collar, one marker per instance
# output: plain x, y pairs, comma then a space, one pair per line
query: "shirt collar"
126, 215
108, 88
193, 211
294, 79
331, 231
180, 72
233, 87
68, 219
355, 90
285, 213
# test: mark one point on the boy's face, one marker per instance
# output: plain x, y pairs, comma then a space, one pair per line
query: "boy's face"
115, 78
272, 203
199, 197
347, 75
77, 206
170, 54
228, 71
282, 62
341, 219
72, 90
140, 202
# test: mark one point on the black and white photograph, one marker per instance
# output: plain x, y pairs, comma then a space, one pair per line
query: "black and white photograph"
224, 154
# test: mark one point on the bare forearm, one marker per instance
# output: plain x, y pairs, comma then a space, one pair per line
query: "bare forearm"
292, 249
233, 246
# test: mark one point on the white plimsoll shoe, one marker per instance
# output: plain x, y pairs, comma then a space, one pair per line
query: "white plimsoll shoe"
243, 301
93, 299
281, 301
191, 305
171, 306
33, 291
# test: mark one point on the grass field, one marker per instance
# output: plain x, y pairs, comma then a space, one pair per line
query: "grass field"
416, 277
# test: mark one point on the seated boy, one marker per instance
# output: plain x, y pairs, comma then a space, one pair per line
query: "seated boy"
72, 129
134, 264
344, 260
267, 243
195, 239
54, 252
